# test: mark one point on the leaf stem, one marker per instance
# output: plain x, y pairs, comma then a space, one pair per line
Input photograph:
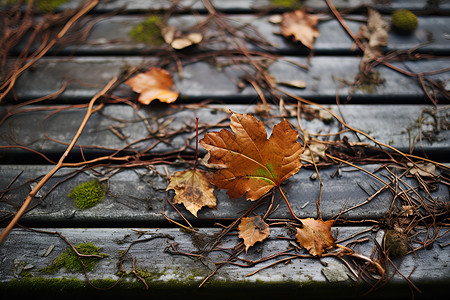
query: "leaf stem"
289, 206
196, 142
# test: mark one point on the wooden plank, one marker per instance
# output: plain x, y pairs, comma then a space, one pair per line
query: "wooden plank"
120, 127
87, 75
248, 6
170, 273
110, 36
137, 196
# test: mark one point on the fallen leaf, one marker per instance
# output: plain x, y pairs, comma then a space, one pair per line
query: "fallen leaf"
252, 230
251, 164
315, 236
314, 152
326, 116
193, 189
177, 40
374, 36
275, 19
168, 34
408, 210
300, 84
422, 169
156, 83
300, 25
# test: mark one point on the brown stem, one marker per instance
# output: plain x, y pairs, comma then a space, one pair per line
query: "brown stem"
289, 206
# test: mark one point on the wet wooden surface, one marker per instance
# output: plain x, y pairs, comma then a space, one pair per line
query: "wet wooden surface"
396, 113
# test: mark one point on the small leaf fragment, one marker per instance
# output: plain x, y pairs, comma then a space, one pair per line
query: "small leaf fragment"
156, 83
193, 189
300, 25
252, 230
177, 40
315, 236
314, 152
300, 84
168, 34
374, 36
422, 169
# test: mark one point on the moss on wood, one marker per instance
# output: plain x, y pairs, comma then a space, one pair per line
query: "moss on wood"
43, 5
148, 31
88, 194
70, 261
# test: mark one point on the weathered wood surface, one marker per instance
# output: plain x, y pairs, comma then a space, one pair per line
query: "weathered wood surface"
170, 272
111, 36
85, 76
239, 6
138, 197
396, 113
413, 128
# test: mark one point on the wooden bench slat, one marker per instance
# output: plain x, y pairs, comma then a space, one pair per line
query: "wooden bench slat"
111, 36
87, 75
426, 268
248, 6
404, 127
137, 196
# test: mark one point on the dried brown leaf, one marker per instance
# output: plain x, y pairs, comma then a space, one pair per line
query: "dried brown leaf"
314, 152
300, 25
251, 164
375, 36
252, 230
422, 169
177, 40
315, 236
156, 83
193, 189
300, 84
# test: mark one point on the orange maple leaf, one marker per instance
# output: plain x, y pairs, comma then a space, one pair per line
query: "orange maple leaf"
156, 83
251, 164
252, 230
315, 236
300, 25
193, 189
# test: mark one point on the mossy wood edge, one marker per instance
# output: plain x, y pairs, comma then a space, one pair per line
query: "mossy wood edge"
137, 197
163, 270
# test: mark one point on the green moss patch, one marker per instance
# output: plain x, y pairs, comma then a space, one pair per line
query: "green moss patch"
42, 5
289, 4
88, 194
148, 31
70, 261
404, 21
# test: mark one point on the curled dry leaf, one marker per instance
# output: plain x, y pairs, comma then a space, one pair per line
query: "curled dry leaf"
156, 83
252, 230
315, 236
250, 164
300, 84
300, 25
422, 169
375, 36
314, 152
193, 189
179, 41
